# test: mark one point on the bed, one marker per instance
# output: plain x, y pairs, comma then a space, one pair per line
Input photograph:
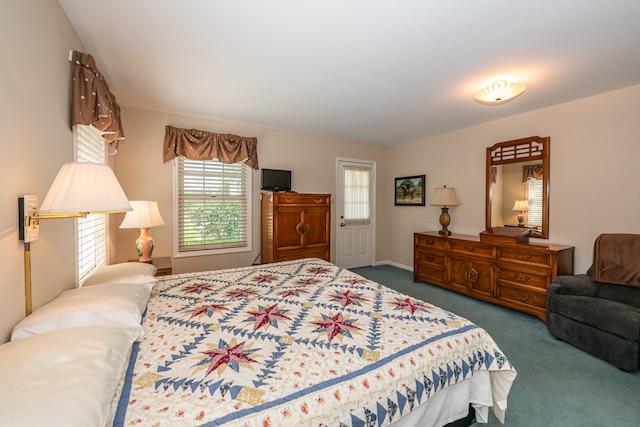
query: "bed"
299, 343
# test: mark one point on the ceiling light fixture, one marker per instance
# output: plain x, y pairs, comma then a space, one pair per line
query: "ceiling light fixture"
499, 92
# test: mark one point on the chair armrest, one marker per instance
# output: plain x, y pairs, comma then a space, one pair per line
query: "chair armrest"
580, 284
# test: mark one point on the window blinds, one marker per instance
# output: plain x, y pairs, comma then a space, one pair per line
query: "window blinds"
534, 197
213, 208
91, 246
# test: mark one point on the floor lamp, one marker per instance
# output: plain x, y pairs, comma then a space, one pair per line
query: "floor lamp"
78, 190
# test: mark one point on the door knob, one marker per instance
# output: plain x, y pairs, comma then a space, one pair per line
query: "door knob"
342, 224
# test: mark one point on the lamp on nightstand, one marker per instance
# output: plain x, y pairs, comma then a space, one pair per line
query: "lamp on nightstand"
144, 216
522, 206
445, 197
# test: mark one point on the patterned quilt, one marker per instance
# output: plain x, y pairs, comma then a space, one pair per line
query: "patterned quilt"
296, 343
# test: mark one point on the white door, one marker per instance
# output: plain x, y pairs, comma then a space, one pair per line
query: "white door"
355, 212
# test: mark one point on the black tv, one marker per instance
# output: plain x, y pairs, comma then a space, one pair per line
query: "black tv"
276, 180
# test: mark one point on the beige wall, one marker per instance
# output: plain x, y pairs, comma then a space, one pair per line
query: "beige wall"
311, 159
36, 140
596, 136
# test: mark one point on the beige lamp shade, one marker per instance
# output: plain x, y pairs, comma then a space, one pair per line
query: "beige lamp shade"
520, 205
144, 216
444, 197
85, 187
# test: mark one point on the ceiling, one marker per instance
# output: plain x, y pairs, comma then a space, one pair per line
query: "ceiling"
375, 71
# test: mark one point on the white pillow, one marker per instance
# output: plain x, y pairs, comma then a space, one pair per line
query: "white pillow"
126, 272
65, 378
120, 304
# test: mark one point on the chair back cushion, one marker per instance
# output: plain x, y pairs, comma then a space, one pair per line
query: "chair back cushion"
616, 259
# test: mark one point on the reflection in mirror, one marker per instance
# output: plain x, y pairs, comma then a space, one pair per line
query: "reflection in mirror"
517, 186
514, 193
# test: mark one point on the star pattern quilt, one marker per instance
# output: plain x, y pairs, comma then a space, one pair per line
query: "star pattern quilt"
301, 342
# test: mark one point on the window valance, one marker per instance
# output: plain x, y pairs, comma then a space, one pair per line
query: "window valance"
202, 145
532, 172
92, 103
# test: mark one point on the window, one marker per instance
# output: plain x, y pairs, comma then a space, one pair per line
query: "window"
357, 195
91, 232
534, 197
213, 207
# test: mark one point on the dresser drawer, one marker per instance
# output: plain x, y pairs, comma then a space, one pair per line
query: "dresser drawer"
430, 257
288, 255
476, 249
523, 278
429, 272
302, 199
428, 242
522, 255
522, 294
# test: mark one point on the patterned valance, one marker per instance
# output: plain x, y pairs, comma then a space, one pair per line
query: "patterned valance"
92, 103
202, 145
532, 172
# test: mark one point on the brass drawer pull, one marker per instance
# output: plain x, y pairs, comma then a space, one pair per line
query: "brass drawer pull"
302, 228
521, 297
524, 279
288, 200
525, 257
430, 258
470, 248
318, 200
430, 242
470, 275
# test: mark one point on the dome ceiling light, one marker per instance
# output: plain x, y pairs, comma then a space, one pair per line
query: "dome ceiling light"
499, 92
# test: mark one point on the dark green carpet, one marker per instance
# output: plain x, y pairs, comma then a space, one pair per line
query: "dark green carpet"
557, 384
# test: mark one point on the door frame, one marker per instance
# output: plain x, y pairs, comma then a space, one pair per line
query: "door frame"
374, 213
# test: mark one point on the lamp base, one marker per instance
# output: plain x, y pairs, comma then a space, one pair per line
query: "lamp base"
445, 220
144, 246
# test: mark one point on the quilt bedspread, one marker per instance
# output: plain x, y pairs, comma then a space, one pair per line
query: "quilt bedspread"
302, 342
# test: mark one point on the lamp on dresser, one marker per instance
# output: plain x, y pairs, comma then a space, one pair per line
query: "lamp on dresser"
145, 215
445, 197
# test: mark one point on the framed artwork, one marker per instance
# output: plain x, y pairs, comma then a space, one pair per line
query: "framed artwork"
409, 191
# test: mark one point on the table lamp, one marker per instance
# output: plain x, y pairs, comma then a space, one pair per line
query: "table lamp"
145, 214
445, 197
522, 206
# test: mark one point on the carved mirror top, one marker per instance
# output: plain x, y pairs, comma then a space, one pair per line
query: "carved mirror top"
510, 166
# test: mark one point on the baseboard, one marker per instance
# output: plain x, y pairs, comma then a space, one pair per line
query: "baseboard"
393, 264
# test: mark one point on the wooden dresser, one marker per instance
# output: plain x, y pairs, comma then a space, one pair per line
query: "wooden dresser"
513, 275
294, 226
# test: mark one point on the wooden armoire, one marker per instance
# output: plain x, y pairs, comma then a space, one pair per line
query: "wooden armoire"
294, 226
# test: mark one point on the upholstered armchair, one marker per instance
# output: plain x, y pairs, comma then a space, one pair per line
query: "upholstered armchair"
599, 312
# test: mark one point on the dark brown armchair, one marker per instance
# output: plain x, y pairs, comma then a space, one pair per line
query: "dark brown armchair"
599, 312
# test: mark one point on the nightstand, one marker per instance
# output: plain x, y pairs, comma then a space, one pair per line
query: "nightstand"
163, 264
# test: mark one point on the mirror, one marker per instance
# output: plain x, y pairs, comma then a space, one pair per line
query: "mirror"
517, 190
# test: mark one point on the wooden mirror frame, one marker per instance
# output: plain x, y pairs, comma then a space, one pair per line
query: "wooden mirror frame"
515, 151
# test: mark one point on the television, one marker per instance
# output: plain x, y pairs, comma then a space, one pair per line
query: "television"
276, 180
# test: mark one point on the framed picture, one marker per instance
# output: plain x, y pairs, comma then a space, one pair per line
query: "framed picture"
409, 191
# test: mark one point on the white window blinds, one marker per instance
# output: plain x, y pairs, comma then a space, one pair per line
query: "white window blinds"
357, 196
91, 245
534, 197
213, 206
